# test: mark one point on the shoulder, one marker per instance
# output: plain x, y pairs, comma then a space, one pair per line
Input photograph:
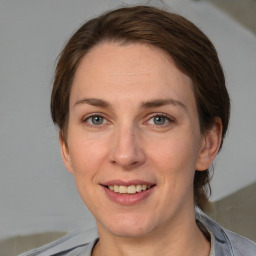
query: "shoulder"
75, 243
227, 242
241, 245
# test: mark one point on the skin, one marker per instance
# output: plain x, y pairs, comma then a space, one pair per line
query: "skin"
128, 144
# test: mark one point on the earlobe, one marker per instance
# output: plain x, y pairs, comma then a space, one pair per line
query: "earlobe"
211, 142
65, 153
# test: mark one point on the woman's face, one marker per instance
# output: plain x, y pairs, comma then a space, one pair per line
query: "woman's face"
133, 139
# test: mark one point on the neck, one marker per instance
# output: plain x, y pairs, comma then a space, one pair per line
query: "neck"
183, 239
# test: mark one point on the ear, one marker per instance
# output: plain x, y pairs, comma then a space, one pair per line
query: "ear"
210, 146
65, 153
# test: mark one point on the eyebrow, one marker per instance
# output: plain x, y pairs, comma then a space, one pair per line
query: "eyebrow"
154, 103
162, 102
94, 102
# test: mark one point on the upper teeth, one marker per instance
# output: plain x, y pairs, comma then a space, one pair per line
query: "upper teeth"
132, 189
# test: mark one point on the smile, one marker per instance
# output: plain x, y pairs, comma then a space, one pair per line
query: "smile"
131, 189
128, 193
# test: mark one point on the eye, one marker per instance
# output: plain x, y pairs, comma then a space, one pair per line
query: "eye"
159, 120
95, 120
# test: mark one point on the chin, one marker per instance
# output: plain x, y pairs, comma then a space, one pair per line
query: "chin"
128, 227
130, 232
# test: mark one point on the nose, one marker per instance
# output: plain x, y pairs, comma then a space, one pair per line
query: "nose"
127, 149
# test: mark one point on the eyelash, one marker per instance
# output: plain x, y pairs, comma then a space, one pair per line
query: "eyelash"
87, 118
167, 118
104, 120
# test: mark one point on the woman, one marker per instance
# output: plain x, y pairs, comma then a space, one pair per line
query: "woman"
140, 100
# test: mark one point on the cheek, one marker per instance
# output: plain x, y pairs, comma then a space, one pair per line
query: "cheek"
174, 161
87, 160
175, 152
86, 154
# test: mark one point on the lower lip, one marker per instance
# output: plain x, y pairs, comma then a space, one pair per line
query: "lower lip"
128, 199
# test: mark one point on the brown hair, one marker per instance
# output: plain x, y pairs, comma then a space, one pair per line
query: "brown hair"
191, 50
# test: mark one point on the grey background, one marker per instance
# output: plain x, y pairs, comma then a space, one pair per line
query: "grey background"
36, 192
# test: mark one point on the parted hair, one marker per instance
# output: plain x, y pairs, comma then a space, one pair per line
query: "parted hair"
189, 48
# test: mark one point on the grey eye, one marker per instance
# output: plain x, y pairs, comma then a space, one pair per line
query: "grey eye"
159, 120
96, 120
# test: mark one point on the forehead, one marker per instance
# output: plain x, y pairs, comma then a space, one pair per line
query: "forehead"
113, 71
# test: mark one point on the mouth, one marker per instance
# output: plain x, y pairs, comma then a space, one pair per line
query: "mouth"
131, 189
128, 193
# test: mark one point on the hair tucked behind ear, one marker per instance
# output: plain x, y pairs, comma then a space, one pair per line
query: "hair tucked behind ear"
202, 188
